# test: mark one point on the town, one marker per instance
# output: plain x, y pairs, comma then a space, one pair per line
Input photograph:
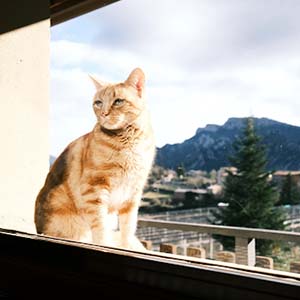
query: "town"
169, 190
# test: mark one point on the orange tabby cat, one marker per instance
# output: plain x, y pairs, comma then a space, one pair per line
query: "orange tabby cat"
103, 171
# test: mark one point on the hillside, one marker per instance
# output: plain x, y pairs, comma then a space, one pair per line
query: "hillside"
211, 146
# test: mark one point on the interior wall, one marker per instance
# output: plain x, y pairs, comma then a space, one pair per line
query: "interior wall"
24, 109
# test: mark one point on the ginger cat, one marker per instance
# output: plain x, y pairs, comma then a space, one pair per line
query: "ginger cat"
103, 171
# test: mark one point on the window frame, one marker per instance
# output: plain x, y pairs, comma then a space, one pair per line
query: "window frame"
33, 264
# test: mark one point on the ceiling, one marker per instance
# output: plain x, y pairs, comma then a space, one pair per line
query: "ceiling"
64, 10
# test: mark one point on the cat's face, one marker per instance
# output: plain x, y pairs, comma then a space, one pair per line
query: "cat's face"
118, 105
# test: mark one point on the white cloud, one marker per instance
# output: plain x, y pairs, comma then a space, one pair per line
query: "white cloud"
205, 61
71, 107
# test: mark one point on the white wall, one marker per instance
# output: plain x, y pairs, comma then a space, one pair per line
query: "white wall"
24, 114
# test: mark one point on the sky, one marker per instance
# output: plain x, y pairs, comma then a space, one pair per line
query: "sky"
204, 60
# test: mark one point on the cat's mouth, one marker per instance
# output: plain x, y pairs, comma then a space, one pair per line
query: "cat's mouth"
113, 127
112, 132
112, 123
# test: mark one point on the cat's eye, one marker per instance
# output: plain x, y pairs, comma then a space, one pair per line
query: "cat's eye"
98, 103
119, 102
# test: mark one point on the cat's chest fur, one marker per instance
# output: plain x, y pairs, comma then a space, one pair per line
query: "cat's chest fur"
135, 158
135, 164
129, 174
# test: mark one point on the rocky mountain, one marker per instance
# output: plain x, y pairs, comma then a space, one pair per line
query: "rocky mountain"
211, 146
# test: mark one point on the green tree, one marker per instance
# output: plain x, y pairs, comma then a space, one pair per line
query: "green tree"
248, 191
180, 170
289, 193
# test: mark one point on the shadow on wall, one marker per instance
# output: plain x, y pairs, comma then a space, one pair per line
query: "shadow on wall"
26, 12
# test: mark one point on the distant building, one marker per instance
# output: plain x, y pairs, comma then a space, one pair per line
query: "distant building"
279, 176
196, 173
180, 194
222, 174
215, 189
168, 177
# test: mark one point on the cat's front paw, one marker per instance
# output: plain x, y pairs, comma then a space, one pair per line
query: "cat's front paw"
133, 244
105, 241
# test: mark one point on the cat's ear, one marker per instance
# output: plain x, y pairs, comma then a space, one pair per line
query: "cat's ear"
137, 80
97, 83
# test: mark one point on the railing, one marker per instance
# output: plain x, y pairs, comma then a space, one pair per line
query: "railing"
293, 224
244, 237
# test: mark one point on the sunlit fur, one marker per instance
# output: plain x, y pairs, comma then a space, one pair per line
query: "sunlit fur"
102, 172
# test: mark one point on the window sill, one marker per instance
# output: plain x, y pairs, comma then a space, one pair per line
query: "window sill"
33, 265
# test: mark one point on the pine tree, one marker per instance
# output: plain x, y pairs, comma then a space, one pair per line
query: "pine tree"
249, 193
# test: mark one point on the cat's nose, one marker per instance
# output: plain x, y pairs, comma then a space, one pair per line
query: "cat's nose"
104, 113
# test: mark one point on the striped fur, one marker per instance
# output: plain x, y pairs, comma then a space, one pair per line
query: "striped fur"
102, 172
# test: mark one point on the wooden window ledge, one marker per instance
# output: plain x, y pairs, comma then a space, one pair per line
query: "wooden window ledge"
38, 266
